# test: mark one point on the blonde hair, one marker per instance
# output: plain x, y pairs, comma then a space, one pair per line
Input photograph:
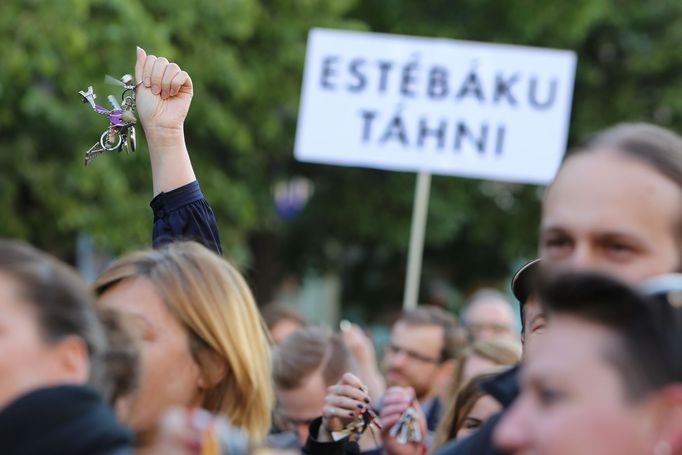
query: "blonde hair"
212, 299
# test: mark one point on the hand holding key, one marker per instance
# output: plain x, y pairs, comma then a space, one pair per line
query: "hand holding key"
404, 422
164, 95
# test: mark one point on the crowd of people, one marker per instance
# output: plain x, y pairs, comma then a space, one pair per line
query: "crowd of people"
168, 353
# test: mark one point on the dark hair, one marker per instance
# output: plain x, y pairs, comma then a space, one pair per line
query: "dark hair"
454, 336
657, 147
60, 298
522, 286
275, 312
308, 350
647, 331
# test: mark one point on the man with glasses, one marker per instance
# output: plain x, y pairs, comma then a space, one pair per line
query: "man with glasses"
421, 354
488, 314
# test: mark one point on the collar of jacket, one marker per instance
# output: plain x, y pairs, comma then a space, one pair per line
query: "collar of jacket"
68, 419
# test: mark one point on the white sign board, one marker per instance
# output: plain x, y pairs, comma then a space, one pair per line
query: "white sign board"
463, 108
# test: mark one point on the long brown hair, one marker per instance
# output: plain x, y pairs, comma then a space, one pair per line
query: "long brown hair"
464, 402
500, 351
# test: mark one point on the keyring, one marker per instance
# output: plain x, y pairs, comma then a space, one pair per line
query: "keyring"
121, 118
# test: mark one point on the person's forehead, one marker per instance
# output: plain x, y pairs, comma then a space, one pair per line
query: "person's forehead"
475, 365
423, 338
570, 347
9, 288
12, 300
283, 328
491, 308
407, 330
609, 191
306, 401
532, 308
137, 298
484, 407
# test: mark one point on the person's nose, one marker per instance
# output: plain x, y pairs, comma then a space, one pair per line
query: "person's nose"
511, 433
485, 333
583, 257
398, 359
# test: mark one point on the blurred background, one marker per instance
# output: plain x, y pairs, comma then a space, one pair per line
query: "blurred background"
330, 240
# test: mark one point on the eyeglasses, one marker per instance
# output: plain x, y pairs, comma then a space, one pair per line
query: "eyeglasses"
497, 329
394, 349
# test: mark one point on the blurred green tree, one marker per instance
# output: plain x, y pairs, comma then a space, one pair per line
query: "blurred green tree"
246, 60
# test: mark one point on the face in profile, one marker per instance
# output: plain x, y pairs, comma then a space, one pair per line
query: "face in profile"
573, 400
484, 408
611, 213
169, 375
534, 326
298, 407
27, 359
490, 318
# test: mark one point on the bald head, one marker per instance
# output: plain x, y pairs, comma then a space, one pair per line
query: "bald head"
488, 314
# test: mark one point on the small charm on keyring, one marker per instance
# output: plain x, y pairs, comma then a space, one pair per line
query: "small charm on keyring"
120, 134
358, 426
406, 429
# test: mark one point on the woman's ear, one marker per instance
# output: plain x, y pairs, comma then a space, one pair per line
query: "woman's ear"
213, 369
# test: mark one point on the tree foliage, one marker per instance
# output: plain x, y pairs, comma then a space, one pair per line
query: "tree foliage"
246, 60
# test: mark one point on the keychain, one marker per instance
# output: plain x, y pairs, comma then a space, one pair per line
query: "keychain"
358, 426
120, 135
407, 427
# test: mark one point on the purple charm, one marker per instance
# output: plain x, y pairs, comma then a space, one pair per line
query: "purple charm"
120, 134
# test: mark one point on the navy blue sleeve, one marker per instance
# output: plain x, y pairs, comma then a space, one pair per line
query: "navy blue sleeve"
342, 447
184, 214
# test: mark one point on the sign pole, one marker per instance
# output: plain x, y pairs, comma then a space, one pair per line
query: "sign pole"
417, 233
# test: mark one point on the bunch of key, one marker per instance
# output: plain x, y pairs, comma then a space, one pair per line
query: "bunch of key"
358, 426
407, 429
364, 420
120, 134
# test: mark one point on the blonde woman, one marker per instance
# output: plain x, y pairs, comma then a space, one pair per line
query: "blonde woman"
202, 340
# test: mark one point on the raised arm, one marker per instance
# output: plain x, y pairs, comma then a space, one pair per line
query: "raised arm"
163, 100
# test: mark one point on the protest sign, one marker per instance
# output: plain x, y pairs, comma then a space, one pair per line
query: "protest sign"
443, 106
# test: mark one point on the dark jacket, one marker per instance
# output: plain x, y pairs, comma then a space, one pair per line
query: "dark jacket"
184, 214
433, 411
342, 447
62, 420
504, 388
